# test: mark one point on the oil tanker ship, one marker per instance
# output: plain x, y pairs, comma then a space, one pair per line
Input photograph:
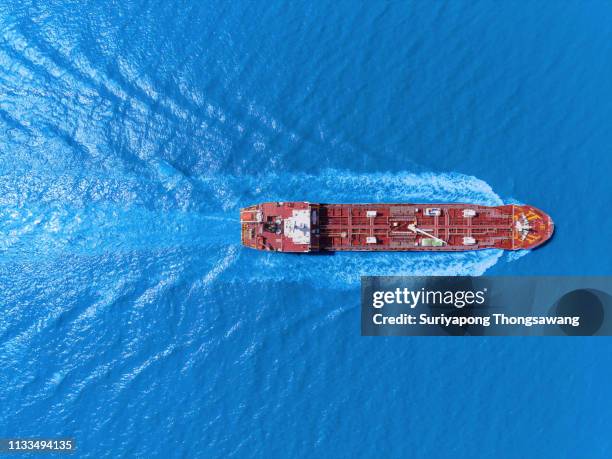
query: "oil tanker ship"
308, 227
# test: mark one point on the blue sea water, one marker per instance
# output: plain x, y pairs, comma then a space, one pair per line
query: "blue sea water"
132, 132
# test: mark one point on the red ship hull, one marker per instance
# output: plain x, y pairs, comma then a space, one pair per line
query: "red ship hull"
307, 227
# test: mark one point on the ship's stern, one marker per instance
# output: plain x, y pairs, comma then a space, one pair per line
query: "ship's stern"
278, 226
250, 219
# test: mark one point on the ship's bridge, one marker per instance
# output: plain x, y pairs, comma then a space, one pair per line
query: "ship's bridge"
297, 226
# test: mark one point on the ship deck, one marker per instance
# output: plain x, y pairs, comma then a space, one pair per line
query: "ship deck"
348, 227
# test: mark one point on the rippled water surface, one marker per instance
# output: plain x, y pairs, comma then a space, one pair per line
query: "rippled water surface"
132, 132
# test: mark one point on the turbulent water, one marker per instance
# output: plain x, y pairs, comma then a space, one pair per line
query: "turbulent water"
130, 135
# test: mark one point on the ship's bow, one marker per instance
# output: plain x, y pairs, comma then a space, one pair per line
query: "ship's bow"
532, 227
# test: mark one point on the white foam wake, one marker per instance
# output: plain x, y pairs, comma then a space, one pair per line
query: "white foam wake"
333, 185
345, 269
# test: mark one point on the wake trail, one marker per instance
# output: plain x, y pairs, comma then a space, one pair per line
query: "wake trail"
205, 218
337, 186
98, 229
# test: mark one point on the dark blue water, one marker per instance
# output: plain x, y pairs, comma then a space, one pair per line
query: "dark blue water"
132, 132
